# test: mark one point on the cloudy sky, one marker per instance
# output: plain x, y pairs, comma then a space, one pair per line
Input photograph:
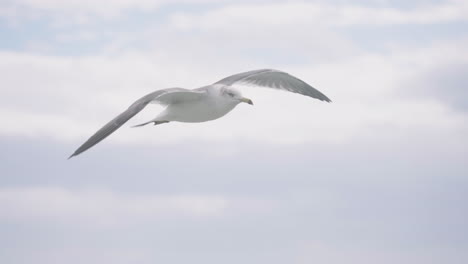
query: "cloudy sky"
378, 176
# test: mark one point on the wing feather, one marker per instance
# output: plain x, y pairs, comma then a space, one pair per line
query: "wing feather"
165, 96
274, 79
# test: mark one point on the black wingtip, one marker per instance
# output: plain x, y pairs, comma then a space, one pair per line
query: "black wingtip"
71, 156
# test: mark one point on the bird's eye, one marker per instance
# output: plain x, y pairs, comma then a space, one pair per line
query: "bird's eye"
230, 94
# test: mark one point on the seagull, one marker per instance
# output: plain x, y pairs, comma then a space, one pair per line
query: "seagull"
205, 103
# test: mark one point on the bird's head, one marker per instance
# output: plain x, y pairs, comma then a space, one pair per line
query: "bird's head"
235, 96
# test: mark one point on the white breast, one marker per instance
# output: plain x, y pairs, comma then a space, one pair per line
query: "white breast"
212, 107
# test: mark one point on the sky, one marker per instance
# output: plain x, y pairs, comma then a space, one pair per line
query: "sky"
378, 176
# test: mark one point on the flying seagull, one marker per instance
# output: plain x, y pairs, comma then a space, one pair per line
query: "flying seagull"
205, 103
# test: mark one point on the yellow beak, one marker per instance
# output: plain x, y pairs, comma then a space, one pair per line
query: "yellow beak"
246, 100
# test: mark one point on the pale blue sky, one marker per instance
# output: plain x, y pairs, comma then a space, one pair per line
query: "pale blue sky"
378, 176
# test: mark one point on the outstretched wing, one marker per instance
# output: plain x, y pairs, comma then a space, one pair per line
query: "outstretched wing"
166, 96
274, 79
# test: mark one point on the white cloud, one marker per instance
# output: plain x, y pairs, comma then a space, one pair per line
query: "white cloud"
68, 98
373, 146
105, 8
77, 36
80, 11
101, 208
320, 252
247, 13
305, 15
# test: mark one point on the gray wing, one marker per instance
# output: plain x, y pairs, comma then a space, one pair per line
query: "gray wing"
166, 96
274, 79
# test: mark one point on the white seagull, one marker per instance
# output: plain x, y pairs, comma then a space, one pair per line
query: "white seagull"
205, 103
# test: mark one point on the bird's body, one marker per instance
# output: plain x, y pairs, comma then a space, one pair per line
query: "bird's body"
205, 103
208, 106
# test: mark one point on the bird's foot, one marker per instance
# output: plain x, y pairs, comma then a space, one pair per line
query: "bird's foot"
160, 122
154, 122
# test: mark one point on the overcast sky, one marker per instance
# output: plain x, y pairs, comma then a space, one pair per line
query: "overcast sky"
378, 176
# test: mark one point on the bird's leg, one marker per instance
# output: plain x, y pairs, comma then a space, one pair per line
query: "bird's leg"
160, 122
155, 123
